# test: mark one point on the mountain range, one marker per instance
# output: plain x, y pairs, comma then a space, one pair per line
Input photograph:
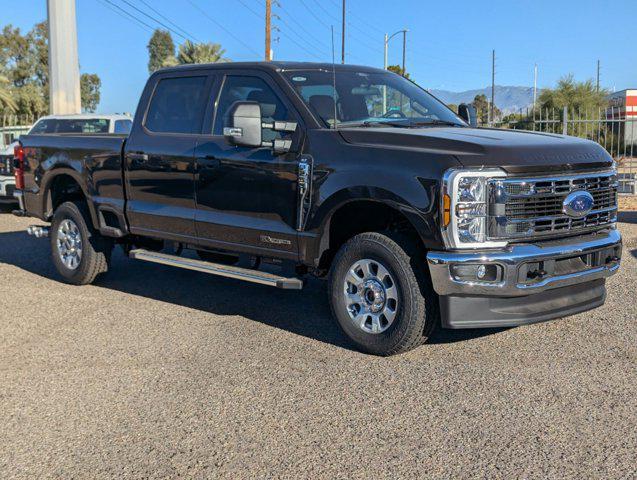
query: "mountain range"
508, 99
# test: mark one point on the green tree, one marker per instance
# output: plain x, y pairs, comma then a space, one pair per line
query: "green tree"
160, 48
24, 61
453, 107
90, 91
399, 70
7, 102
189, 53
482, 105
575, 95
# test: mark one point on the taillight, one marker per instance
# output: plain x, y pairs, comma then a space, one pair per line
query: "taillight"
18, 165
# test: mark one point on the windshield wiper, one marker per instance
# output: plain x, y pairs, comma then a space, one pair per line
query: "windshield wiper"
388, 123
435, 122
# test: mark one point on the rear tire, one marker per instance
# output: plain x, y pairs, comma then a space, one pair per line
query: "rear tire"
381, 295
79, 252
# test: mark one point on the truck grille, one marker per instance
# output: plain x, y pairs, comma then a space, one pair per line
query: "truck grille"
6, 165
533, 207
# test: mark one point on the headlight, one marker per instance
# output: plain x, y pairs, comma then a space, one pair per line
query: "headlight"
465, 208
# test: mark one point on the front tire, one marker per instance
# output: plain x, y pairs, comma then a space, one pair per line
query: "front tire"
380, 294
79, 252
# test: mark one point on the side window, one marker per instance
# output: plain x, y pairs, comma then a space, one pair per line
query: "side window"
43, 126
122, 126
177, 106
237, 88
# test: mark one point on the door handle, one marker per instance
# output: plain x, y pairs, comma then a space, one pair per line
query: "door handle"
138, 157
209, 161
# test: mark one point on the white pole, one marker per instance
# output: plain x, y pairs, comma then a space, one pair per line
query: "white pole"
64, 67
535, 85
384, 86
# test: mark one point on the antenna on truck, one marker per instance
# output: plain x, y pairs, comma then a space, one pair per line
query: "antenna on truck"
334, 80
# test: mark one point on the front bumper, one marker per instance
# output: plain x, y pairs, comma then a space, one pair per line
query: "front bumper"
534, 282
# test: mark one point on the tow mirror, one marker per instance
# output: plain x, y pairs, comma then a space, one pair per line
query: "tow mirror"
246, 125
468, 113
247, 128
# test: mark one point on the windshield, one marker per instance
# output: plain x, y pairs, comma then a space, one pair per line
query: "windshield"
57, 125
369, 99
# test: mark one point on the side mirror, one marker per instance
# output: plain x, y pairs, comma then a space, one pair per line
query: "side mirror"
246, 125
468, 113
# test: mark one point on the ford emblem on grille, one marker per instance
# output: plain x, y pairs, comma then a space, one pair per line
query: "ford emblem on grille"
578, 204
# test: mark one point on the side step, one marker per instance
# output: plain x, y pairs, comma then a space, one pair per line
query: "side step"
246, 274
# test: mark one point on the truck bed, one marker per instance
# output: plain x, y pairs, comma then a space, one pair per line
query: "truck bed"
92, 161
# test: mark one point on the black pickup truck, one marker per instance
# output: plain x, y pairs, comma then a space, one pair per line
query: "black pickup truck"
272, 172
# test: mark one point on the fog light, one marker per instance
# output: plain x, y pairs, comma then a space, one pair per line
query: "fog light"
477, 272
481, 271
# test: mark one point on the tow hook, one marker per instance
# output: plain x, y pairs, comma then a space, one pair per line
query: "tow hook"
38, 231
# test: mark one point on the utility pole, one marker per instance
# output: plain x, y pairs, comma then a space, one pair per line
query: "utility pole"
598, 75
343, 36
534, 86
404, 50
268, 30
64, 67
492, 109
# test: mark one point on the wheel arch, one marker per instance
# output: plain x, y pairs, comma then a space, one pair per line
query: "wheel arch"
65, 184
353, 211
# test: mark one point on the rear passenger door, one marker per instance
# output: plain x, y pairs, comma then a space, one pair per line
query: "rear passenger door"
247, 197
159, 156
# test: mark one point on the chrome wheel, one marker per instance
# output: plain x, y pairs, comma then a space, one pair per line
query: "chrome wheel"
371, 296
69, 244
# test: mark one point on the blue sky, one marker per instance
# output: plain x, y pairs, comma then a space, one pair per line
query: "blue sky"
449, 42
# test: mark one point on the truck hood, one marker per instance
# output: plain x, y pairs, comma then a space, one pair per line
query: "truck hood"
515, 151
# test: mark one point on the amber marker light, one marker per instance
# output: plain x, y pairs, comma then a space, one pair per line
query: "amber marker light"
446, 210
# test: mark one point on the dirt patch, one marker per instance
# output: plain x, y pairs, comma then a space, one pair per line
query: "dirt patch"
628, 202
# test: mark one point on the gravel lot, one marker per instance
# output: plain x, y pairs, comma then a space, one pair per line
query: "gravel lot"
158, 372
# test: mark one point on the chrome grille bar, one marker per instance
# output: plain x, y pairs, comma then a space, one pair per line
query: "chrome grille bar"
533, 207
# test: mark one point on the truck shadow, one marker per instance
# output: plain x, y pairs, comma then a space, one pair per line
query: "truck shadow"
304, 313
627, 216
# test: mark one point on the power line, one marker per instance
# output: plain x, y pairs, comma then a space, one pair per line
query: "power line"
363, 42
154, 19
304, 35
205, 14
318, 19
128, 15
169, 21
284, 33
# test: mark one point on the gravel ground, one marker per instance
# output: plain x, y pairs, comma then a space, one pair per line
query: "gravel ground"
158, 372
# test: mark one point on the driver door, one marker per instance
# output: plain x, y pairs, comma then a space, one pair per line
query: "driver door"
247, 197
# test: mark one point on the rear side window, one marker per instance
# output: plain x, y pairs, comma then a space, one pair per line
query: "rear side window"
122, 126
177, 106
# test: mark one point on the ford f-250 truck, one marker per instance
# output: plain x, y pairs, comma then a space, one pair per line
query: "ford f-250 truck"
349, 173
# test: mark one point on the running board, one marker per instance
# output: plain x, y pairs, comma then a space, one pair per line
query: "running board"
245, 274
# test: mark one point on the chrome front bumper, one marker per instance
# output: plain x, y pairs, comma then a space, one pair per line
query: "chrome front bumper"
513, 264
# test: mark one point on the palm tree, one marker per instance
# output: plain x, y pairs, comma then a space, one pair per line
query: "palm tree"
197, 53
6, 99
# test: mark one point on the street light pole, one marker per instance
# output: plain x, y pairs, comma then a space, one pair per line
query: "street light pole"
343, 36
404, 49
385, 65
388, 38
